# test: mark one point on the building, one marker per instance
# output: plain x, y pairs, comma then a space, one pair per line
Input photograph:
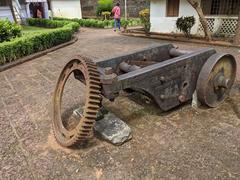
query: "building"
5, 10
221, 15
66, 8
19, 10
133, 7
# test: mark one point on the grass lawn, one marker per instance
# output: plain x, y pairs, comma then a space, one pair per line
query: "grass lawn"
29, 30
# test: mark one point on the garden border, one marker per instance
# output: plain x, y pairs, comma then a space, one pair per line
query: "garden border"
167, 37
37, 55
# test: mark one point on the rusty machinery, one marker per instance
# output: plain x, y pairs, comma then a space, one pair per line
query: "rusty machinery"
167, 75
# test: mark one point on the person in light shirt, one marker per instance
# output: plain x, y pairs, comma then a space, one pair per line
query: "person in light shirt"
117, 17
39, 13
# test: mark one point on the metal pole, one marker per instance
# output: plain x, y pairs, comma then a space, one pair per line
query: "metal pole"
125, 9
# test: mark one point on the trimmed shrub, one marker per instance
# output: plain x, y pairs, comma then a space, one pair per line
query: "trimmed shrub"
106, 15
101, 23
26, 45
124, 23
145, 19
134, 22
52, 23
185, 24
9, 30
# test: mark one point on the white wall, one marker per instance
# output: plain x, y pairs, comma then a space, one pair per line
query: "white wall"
163, 24
24, 11
5, 13
67, 8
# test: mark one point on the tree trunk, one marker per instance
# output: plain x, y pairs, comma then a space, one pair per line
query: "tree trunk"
237, 36
197, 7
12, 11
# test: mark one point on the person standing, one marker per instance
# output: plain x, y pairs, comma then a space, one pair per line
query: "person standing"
39, 13
117, 17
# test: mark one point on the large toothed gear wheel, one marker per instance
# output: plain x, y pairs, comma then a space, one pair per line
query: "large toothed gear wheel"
216, 79
85, 71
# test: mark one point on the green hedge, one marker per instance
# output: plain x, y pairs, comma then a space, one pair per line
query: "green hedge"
101, 23
26, 45
8, 30
52, 23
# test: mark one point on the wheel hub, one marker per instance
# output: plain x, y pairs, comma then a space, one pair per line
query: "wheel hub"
216, 79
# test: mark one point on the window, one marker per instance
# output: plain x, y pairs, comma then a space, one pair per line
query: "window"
215, 7
172, 8
4, 3
221, 7
21, 1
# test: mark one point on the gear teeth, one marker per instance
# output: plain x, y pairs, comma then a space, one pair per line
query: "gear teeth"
95, 82
95, 87
87, 127
94, 91
97, 97
89, 62
95, 79
92, 106
94, 99
88, 121
95, 102
93, 70
85, 131
84, 134
89, 112
94, 74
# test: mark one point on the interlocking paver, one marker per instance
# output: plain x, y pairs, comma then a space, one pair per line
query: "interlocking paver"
185, 143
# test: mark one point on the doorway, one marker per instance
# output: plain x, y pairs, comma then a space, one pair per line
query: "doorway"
33, 7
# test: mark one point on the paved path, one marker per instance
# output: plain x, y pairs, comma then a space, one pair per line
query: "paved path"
185, 143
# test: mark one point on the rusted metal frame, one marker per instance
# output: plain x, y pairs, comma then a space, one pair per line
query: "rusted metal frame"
176, 52
126, 67
154, 53
164, 81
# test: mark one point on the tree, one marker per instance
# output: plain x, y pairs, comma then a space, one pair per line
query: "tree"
237, 36
103, 6
196, 5
12, 10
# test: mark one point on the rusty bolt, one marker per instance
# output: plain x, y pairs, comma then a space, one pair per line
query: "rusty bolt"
108, 70
108, 79
176, 47
221, 81
162, 78
162, 96
144, 58
182, 98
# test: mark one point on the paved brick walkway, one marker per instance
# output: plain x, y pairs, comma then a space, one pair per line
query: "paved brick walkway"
185, 143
